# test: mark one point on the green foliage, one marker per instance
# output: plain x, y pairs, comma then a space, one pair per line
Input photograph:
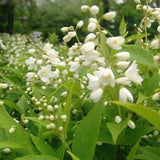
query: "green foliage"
87, 133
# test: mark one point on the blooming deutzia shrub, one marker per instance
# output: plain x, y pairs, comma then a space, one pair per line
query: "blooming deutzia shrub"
96, 99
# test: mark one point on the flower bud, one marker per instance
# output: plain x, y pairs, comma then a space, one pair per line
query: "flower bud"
91, 27
52, 126
65, 29
41, 117
123, 56
156, 60
94, 10
12, 130
79, 24
155, 44
137, 1
49, 108
118, 119
156, 96
6, 150
158, 28
109, 15
64, 117
131, 124
123, 64
1, 103
84, 8
60, 128
3, 85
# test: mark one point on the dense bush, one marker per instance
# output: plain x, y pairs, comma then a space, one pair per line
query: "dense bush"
97, 99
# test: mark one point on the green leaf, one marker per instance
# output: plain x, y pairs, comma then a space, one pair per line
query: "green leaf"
135, 37
19, 136
9, 144
149, 114
116, 129
72, 155
149, 153
23, 104
67, 108
122, 27
35, 119
132, 135
37, 157
86, 136
139, 55
12, 105
43, 147
133, 150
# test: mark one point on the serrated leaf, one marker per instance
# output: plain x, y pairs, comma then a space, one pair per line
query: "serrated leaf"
43, 147
116, 129
122, 27
139, 55
149, 114
149, 153
23, 104
37, 157
86, 136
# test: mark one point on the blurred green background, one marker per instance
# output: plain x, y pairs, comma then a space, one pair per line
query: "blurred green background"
48, 16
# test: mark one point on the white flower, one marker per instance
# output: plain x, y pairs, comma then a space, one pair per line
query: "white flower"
39, 62
96, 95
132, 73
94, 10
45, 73
131, 124
109, 15
89, 57
93, 82
74, 66
155, 43
118, 119
31, 62
85, 8
30, 76
79, 24
106, 76
47, 47
101, 78
87, 47
123, 81
90, 37
53, 57
123, 64
31, 51
122, 56
115, 42
125, 94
